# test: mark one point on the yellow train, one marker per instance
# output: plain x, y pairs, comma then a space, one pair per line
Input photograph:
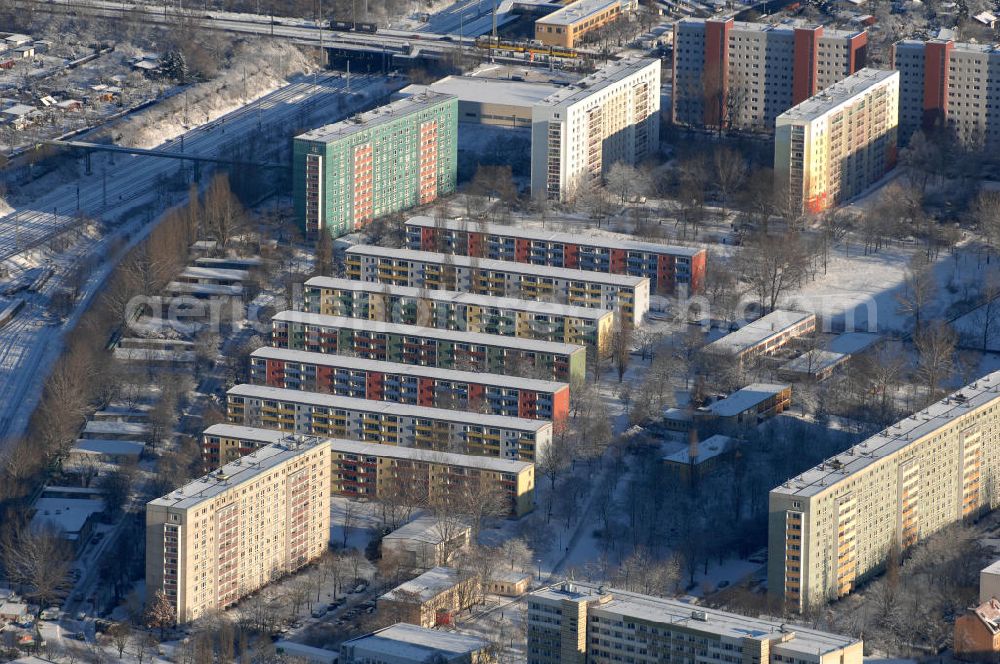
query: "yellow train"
487, 42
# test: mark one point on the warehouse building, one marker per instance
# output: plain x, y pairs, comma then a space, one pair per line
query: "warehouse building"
451, 310
413, 344
670, 269
264, 515
627, 296
393, 158
832, 527
387, 423
489, 101
374, 471
346, 376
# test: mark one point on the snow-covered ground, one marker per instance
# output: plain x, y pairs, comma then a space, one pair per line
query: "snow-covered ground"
115, 193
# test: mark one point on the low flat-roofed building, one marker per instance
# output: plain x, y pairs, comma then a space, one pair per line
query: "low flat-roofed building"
989, 582
820, 363
203, 291
110, 430
263, 515
72, 515
509, 583
577, 623
489, 101
213, 275
111, 451
426, 542
764, 335
698, 460
12, 611
300, 652
404, 643
372, 470
747, 407
431, 598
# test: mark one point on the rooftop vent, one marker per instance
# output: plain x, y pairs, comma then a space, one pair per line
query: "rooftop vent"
700, 616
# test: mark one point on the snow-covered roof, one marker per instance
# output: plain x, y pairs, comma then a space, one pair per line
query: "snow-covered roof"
179, 288
758, 332
488, 264
452, 336
300, 651
221, 274
986, 18
68, 514
425, 529
19, 110
479, 89
363, 364
339, 446
578, 11
456, 297
744, 399
785, 637
413, 643
839, 350
109, 447
839, 468
605, 241
378, 116
427, 586
235, 473
311, 399
119, 428
709, 448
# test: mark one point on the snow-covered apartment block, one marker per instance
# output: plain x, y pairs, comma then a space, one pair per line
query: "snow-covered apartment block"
626, 295
421, 427
670, 269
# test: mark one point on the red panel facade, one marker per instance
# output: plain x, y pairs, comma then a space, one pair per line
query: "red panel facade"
425, 392
571, 255
275, 373
476, 395
527, 404
937, 57
560, 405
324, 377
858, 52
699, 264
374, 385
427, 240
666, 279
617, 261
522, 249
476, 243
716, 73
805, 63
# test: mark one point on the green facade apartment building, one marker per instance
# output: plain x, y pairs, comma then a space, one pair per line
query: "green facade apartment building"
392, 158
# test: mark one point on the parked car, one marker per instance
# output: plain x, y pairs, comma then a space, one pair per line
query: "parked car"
319, 612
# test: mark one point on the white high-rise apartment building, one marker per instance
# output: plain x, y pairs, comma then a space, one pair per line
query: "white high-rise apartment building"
233, 531
836, 144
578, 133
833, 526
